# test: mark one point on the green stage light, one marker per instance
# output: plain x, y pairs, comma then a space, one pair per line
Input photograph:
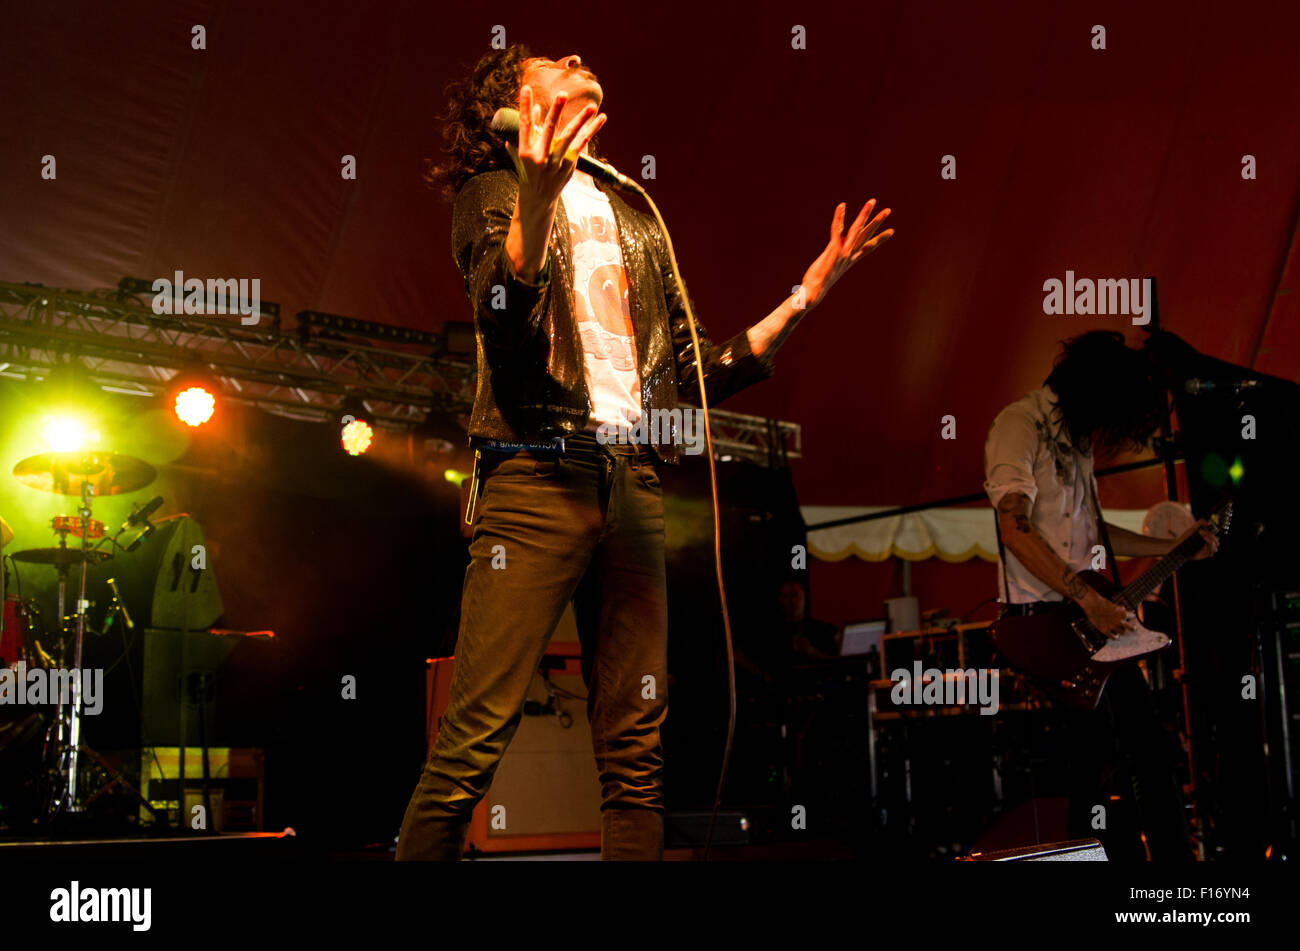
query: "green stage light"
1236, 471
1214, 470
456, 476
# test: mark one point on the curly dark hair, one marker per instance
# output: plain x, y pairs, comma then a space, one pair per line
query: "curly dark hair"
1110, 396
469, 145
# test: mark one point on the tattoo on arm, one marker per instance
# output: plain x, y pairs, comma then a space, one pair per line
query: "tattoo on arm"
1012, 502
1034, 551
1015, 505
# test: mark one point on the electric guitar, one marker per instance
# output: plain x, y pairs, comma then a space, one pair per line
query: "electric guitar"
1070, 658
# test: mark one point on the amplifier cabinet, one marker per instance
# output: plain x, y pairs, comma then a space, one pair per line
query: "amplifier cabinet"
545, 795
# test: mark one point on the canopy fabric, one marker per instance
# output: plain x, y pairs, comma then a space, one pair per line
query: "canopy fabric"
228, 161
950, 534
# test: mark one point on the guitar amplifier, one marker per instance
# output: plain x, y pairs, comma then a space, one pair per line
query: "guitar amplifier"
1075, 850
545, 794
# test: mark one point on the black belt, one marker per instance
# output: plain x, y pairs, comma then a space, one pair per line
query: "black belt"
584, 445
488, 453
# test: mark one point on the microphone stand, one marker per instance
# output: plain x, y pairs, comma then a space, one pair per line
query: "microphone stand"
1169, 453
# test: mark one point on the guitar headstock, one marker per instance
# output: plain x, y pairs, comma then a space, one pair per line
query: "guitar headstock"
1221, 518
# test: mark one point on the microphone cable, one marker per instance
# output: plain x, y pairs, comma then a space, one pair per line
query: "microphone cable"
717, 521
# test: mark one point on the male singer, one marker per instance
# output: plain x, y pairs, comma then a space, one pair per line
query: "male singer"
579, 323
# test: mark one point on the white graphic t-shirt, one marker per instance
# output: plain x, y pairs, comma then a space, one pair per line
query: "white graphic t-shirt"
601, 306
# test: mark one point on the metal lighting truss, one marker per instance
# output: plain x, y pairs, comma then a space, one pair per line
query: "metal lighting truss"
127, 348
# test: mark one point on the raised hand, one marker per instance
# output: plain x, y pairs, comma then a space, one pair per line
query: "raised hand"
544, 159
545, 163
844, 250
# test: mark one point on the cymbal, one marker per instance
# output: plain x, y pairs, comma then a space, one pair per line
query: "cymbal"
61, 557
63, 473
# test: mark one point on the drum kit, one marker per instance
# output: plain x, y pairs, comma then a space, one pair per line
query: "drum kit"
86, 476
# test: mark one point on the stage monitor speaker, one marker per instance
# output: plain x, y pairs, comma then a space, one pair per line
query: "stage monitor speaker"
144, 667
205, 657
1075, 850
167, 583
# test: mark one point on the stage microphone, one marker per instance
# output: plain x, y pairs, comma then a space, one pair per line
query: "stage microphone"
148, 530
505, 123
1195, 386
140, 515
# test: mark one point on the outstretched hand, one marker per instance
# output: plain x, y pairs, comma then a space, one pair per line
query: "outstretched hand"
544, 158
844, 250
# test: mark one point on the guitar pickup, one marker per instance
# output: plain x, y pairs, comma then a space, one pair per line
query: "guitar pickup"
1088, 645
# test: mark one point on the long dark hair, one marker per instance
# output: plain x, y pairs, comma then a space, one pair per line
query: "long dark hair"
1109, 396
469, 145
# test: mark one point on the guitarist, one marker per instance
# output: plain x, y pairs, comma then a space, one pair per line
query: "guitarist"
1102, 396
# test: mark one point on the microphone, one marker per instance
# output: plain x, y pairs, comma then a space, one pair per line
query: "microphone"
148, 530
1195, 385
505, 123
140, 515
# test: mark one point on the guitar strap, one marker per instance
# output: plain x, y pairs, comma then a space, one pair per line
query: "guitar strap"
1002, 554
1101, 530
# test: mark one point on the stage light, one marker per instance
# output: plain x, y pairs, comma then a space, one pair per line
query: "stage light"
358, 433
1214, 470
333, 326
195, 405
1236, 471
357, 437
456, 476
193, 395
69, 400
67, 434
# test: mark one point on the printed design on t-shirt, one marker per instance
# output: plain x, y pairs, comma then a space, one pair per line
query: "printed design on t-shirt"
609, 336
605, 315
602, 306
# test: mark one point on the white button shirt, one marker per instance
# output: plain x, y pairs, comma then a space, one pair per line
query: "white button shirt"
1029, 451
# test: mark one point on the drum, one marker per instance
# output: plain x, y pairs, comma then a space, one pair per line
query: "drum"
16, 634
77, 526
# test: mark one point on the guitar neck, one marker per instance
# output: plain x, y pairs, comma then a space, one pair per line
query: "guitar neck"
1155, 576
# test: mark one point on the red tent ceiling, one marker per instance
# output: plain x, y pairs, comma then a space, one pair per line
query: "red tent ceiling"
1117, 163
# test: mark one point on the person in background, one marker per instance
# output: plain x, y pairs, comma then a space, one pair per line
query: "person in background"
1102, 396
